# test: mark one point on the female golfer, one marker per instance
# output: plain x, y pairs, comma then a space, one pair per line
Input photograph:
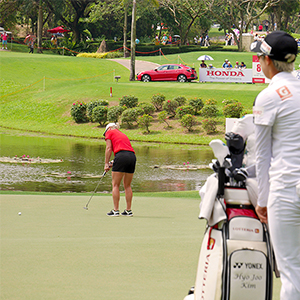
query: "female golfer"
123, 166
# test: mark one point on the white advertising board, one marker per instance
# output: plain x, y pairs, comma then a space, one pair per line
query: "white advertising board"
223, 75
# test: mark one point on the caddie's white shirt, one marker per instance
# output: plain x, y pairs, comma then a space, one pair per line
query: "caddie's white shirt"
277, 132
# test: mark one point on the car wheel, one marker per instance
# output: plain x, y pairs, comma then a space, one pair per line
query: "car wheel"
146, 78
181, 78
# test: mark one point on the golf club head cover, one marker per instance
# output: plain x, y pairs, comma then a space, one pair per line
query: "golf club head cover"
236, 146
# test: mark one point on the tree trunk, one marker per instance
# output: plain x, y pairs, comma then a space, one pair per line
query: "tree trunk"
125, 30
40, 28
132, 46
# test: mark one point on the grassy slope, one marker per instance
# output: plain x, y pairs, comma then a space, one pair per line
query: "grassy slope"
57, 250
69, 79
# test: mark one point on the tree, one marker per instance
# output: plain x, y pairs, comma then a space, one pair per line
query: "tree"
185, 13
132, 45
40, 27
8, 12
73, 12
238, 14
286, 15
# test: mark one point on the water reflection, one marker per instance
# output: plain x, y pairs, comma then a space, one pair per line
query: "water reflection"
87, 157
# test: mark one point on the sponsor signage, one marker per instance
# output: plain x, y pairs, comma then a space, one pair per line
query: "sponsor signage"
257, 73
223, 75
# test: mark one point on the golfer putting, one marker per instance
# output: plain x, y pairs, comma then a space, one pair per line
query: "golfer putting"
123, 167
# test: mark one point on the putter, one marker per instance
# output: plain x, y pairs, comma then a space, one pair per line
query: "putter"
86, 206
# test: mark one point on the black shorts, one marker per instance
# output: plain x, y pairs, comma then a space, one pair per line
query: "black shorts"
124, 161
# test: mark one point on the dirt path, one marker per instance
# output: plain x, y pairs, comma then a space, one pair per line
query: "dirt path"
139, 64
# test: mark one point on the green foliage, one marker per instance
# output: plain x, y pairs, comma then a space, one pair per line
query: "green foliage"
148, 108
209, 125
197, 104
78, 112
232, 108
210, 102
144, 121
184, 110
170, 107
158, 101
181, 100
91, 105
188, 121
209, 111
130, 116
99, 114
129, 101
162, 117
114, 113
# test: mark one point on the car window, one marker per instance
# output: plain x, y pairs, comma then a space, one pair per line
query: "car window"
172, 67
161, 68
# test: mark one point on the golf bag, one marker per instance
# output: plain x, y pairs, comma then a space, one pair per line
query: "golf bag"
236, 257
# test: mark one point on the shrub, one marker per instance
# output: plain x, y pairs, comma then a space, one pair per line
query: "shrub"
197, 104
209, 125
184, 110
170, 107
158, 101
188, 121
181, 100
78, 112
209, 111
114, 54
130, 116
92, 55
129, 101
162, 117
233, 110
148, 108
99, 114
93, 104
210, 102
114, 113
144, 121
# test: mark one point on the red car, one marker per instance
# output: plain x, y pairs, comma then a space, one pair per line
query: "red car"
181, 73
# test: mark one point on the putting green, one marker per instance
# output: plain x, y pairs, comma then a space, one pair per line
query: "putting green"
57, 250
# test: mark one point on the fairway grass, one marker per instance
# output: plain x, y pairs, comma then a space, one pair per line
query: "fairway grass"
37, 92
57, 250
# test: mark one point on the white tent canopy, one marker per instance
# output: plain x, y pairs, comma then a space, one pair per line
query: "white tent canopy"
205, 57
2, 30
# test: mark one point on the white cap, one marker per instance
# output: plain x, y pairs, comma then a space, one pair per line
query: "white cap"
110, 125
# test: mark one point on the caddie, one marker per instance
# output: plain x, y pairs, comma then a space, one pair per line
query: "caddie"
277, 135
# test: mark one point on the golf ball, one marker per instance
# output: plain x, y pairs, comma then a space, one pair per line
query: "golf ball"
20, 213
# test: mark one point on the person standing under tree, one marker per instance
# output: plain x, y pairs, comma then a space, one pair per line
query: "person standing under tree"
123, 166
277, 125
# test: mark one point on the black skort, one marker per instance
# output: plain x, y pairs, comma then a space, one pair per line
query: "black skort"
124, 161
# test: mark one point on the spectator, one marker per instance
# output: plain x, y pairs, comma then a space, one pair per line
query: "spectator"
237, 66
203, 64
4, 37
242, 66
206, 41
210, 66
225, 64
260, 27
229, 65
164, 39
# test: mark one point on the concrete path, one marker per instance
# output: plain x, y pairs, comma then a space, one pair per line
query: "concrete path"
139, 64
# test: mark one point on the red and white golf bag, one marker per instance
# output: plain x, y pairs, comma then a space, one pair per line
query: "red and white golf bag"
236, 257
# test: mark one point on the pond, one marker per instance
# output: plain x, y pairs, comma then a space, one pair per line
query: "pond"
79, 163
